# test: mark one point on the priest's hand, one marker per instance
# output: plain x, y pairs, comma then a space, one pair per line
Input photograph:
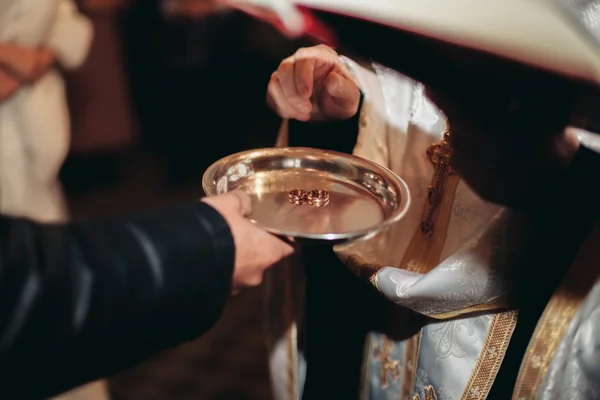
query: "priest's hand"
313, 85
255, 249
513, 155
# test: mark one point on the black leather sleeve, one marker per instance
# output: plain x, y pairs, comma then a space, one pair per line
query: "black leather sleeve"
87, 299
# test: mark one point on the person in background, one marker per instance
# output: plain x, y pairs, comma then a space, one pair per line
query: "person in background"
35, 41
488, 190
83, 300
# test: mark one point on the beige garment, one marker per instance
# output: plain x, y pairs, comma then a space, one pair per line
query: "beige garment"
93, 391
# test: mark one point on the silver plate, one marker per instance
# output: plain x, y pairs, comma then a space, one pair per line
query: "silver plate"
364, 197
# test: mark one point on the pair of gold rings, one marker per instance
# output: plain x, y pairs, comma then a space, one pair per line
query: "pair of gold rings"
315, 198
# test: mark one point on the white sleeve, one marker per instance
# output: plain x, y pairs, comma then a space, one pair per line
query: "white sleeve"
71, 36
385, 112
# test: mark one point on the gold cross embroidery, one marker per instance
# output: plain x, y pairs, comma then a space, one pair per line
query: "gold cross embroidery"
429, 392
389, 367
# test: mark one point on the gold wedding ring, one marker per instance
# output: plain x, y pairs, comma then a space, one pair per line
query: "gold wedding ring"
317, 198
297, 196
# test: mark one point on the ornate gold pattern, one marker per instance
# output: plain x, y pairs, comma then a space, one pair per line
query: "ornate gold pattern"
290, 335
412, 348
429, 393
499, 303
552, 326
389, 371
492, 354
373, 281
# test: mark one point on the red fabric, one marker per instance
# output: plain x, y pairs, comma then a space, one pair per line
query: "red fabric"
312, 26
102, 117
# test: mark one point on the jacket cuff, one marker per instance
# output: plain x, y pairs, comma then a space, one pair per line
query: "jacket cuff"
223, 242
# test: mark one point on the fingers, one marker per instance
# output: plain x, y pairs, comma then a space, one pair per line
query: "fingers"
304, 67
285, 74
282, 104
231, 204
341, 97
297, 96
301, 77
286, 249
272, 248
256, 252
312, 65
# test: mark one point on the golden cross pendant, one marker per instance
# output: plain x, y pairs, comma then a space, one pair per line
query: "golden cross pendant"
439, 155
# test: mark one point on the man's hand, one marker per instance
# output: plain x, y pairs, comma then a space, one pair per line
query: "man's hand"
313, 85
513, 155
255, 249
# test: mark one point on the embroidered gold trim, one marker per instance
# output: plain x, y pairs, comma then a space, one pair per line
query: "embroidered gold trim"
429, 393
552, 326
374, 281
290, 334
492, 354
544, 342
410, 364
366, 372
499, 303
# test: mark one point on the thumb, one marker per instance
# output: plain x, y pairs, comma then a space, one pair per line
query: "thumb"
340, 98
284, 247
244, 202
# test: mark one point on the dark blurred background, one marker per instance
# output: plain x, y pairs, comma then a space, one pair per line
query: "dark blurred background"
171, 86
